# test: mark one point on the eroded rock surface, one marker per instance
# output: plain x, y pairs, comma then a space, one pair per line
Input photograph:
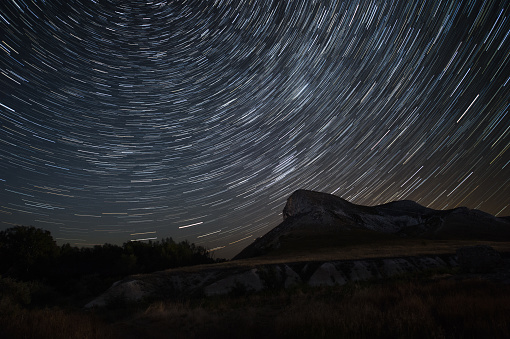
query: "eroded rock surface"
249, 281
325, 213
121, 291
478, 259
224, 281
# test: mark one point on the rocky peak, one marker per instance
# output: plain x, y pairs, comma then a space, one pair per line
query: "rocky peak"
324, 214
303, 202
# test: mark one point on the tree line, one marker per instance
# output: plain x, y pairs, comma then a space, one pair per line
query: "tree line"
30, 253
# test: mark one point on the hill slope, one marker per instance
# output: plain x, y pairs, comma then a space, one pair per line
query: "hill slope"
314, 219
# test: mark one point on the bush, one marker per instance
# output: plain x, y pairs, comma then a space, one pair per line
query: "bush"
15, 291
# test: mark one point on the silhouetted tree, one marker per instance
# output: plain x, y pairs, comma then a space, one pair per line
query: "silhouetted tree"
27, 252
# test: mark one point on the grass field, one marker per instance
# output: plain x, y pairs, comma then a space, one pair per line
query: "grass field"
362, 244
306, 245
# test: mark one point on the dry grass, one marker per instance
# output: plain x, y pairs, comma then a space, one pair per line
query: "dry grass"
345, 246
188, 320
50, 323
405, 308
397, 248
306, 245
396, 309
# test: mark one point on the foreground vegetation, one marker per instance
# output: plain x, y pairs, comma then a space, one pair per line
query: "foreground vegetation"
396, 309
43, 288
403, 308
29, 253
38, 273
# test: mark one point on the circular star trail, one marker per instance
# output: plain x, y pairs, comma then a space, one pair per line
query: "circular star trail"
124, 120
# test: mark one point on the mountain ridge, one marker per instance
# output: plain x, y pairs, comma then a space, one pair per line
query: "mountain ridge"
323, 214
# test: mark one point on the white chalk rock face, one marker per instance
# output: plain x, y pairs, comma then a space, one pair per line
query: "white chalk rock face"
360, 271
304, 202
220, 282
291, 277
393, 267
250, 281
327, 275
129, 291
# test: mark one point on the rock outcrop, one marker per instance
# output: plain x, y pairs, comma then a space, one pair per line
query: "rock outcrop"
478, 259
209, 282
324, 213
320, 206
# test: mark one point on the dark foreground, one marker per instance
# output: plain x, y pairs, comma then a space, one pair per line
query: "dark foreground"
432, 305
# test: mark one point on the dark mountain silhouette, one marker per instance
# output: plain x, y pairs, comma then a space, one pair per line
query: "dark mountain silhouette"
310, 215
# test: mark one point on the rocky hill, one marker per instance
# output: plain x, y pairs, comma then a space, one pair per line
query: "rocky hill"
321, 214
365, 243
219, 279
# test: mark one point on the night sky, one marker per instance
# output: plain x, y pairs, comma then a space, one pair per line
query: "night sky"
124, 120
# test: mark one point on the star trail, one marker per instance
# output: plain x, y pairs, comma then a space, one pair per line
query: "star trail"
126, 120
